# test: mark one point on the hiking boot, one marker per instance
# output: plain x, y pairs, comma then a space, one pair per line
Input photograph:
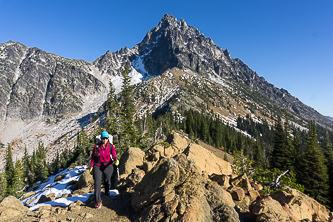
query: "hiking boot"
98, 205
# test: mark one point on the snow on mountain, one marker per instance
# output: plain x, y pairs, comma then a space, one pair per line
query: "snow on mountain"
59, 188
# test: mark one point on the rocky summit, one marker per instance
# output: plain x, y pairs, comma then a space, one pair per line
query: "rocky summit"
166, 184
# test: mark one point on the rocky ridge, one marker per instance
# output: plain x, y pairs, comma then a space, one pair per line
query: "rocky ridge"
167, 183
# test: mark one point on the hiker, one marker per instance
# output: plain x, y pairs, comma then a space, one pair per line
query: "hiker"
102, 158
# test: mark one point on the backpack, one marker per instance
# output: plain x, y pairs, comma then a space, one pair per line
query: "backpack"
95, 154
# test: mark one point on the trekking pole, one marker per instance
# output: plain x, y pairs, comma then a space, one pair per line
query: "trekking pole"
118, 173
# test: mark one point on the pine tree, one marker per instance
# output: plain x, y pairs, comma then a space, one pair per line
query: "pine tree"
190, 124
18, 180
314, 176
258, 154
26, 166
40, 167
204, 130
282, 154
128, 134
9, 167
3, 186
113, 112
327, 148
55, 166
297, 143
82, 146
289, 148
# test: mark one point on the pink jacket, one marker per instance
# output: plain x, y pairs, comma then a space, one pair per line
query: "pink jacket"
104, 155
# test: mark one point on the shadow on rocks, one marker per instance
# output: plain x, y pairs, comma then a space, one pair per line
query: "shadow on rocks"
120, 204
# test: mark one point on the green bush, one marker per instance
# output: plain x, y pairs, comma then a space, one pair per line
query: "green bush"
276, 180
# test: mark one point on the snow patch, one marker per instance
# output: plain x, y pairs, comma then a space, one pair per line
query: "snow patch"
138, 65
60, 188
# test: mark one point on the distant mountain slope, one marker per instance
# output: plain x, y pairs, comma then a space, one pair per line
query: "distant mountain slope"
35, 83
330, 118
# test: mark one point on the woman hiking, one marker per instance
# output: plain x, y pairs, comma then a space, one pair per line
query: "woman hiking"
102, 158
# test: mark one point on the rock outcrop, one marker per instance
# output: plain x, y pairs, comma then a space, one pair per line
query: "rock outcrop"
175, 189
11, 208
132, 158
301, 206
207, 161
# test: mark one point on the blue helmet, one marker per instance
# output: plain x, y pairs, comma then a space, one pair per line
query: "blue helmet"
104, 134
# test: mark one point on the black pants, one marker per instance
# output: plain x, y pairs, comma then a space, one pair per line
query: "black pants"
98, 172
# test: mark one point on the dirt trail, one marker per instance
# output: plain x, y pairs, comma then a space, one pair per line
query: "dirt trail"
116, 208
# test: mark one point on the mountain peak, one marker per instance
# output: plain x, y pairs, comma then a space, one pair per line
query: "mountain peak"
168, 20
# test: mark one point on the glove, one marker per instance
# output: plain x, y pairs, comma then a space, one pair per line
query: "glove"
91, 170
116, 163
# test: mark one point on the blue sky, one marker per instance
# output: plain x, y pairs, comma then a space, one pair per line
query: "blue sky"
288, 42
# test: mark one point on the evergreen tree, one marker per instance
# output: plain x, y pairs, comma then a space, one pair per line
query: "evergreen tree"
297, 143
26, 167
83, 144
289, 148
190, 124
9, 167
3, 186
55, 166
64, 159
314, 175
113, 112
258, 154
327, 148
128, 134
218, 136
204, 130
281, 155
18, 181
40, 167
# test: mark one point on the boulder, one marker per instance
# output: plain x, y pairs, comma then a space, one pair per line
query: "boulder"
46, 198
302, 207
134, 178
254, 194
26, 195
85, 180
241, 181
11, 208
237, 193
13, 202
207, 161
59, 177
164, 152
256, 186
268, 209
175, 189
242, 207
45, 207
29, 201
82, 191
222, 180
132, 158
147, 166
177, 142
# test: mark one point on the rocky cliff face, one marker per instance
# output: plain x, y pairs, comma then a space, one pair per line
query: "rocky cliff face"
35, 83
